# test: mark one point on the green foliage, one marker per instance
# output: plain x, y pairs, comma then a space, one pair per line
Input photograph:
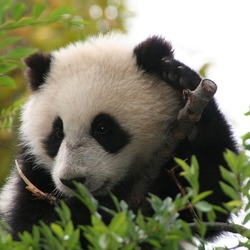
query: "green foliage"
246, 137
14, 15
130, 231
6, 115
204, 68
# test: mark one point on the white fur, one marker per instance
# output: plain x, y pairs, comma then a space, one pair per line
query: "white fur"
86, 79
8, 195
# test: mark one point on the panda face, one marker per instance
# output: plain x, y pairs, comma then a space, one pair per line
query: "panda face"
96, 117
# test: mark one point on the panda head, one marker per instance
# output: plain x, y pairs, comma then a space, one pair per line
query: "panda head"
98, 112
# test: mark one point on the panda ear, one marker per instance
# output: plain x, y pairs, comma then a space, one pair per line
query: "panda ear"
151, 52
38, 67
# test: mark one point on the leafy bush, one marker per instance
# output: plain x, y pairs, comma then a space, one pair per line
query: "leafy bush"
164, 230
14, 15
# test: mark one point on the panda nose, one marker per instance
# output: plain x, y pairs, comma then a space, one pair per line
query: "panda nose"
70, 182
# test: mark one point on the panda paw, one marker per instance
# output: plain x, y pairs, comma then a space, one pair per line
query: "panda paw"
179, 76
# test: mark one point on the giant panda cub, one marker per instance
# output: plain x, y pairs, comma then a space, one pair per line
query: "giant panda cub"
100, 113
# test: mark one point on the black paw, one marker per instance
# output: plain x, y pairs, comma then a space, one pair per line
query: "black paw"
179, 75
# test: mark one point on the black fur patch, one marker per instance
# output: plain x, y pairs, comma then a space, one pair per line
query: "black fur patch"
108, 133
39, 66
54, 140
149, 54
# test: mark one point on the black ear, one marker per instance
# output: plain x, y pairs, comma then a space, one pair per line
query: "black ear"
150, 54
38, 67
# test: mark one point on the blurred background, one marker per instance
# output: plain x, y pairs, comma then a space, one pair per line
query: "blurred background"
210, 36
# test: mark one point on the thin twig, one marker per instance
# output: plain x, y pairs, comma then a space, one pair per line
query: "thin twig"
172, 173
34, 190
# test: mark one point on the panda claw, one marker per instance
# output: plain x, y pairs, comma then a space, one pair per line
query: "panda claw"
179, 75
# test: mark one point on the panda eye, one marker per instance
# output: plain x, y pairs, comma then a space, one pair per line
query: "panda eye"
54, 139
108, 132
59, 133
102, 128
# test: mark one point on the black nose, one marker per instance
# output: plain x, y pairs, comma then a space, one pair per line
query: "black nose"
70, 182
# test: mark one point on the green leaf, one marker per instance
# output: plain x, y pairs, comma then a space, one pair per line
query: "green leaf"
229, 191
247, 200
201, 196
234, 204
246, 140
73, 241
235, 161
203, 70
14, 25
7, 81
4, 6
83, 194
211, 216
18, 11
182, 164
38, 9
20, 52
57, 229
186, 228
98, 223
63, 212
246, 218
229, 177
119, 224
7, 67
219, 209
248, 112
203, 206
9, 41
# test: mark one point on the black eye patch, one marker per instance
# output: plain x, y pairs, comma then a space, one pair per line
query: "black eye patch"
53, 141
108, 133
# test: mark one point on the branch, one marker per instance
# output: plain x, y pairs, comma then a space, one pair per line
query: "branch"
191, 113
34, 190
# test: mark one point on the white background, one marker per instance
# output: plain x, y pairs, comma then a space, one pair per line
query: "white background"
214, 31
